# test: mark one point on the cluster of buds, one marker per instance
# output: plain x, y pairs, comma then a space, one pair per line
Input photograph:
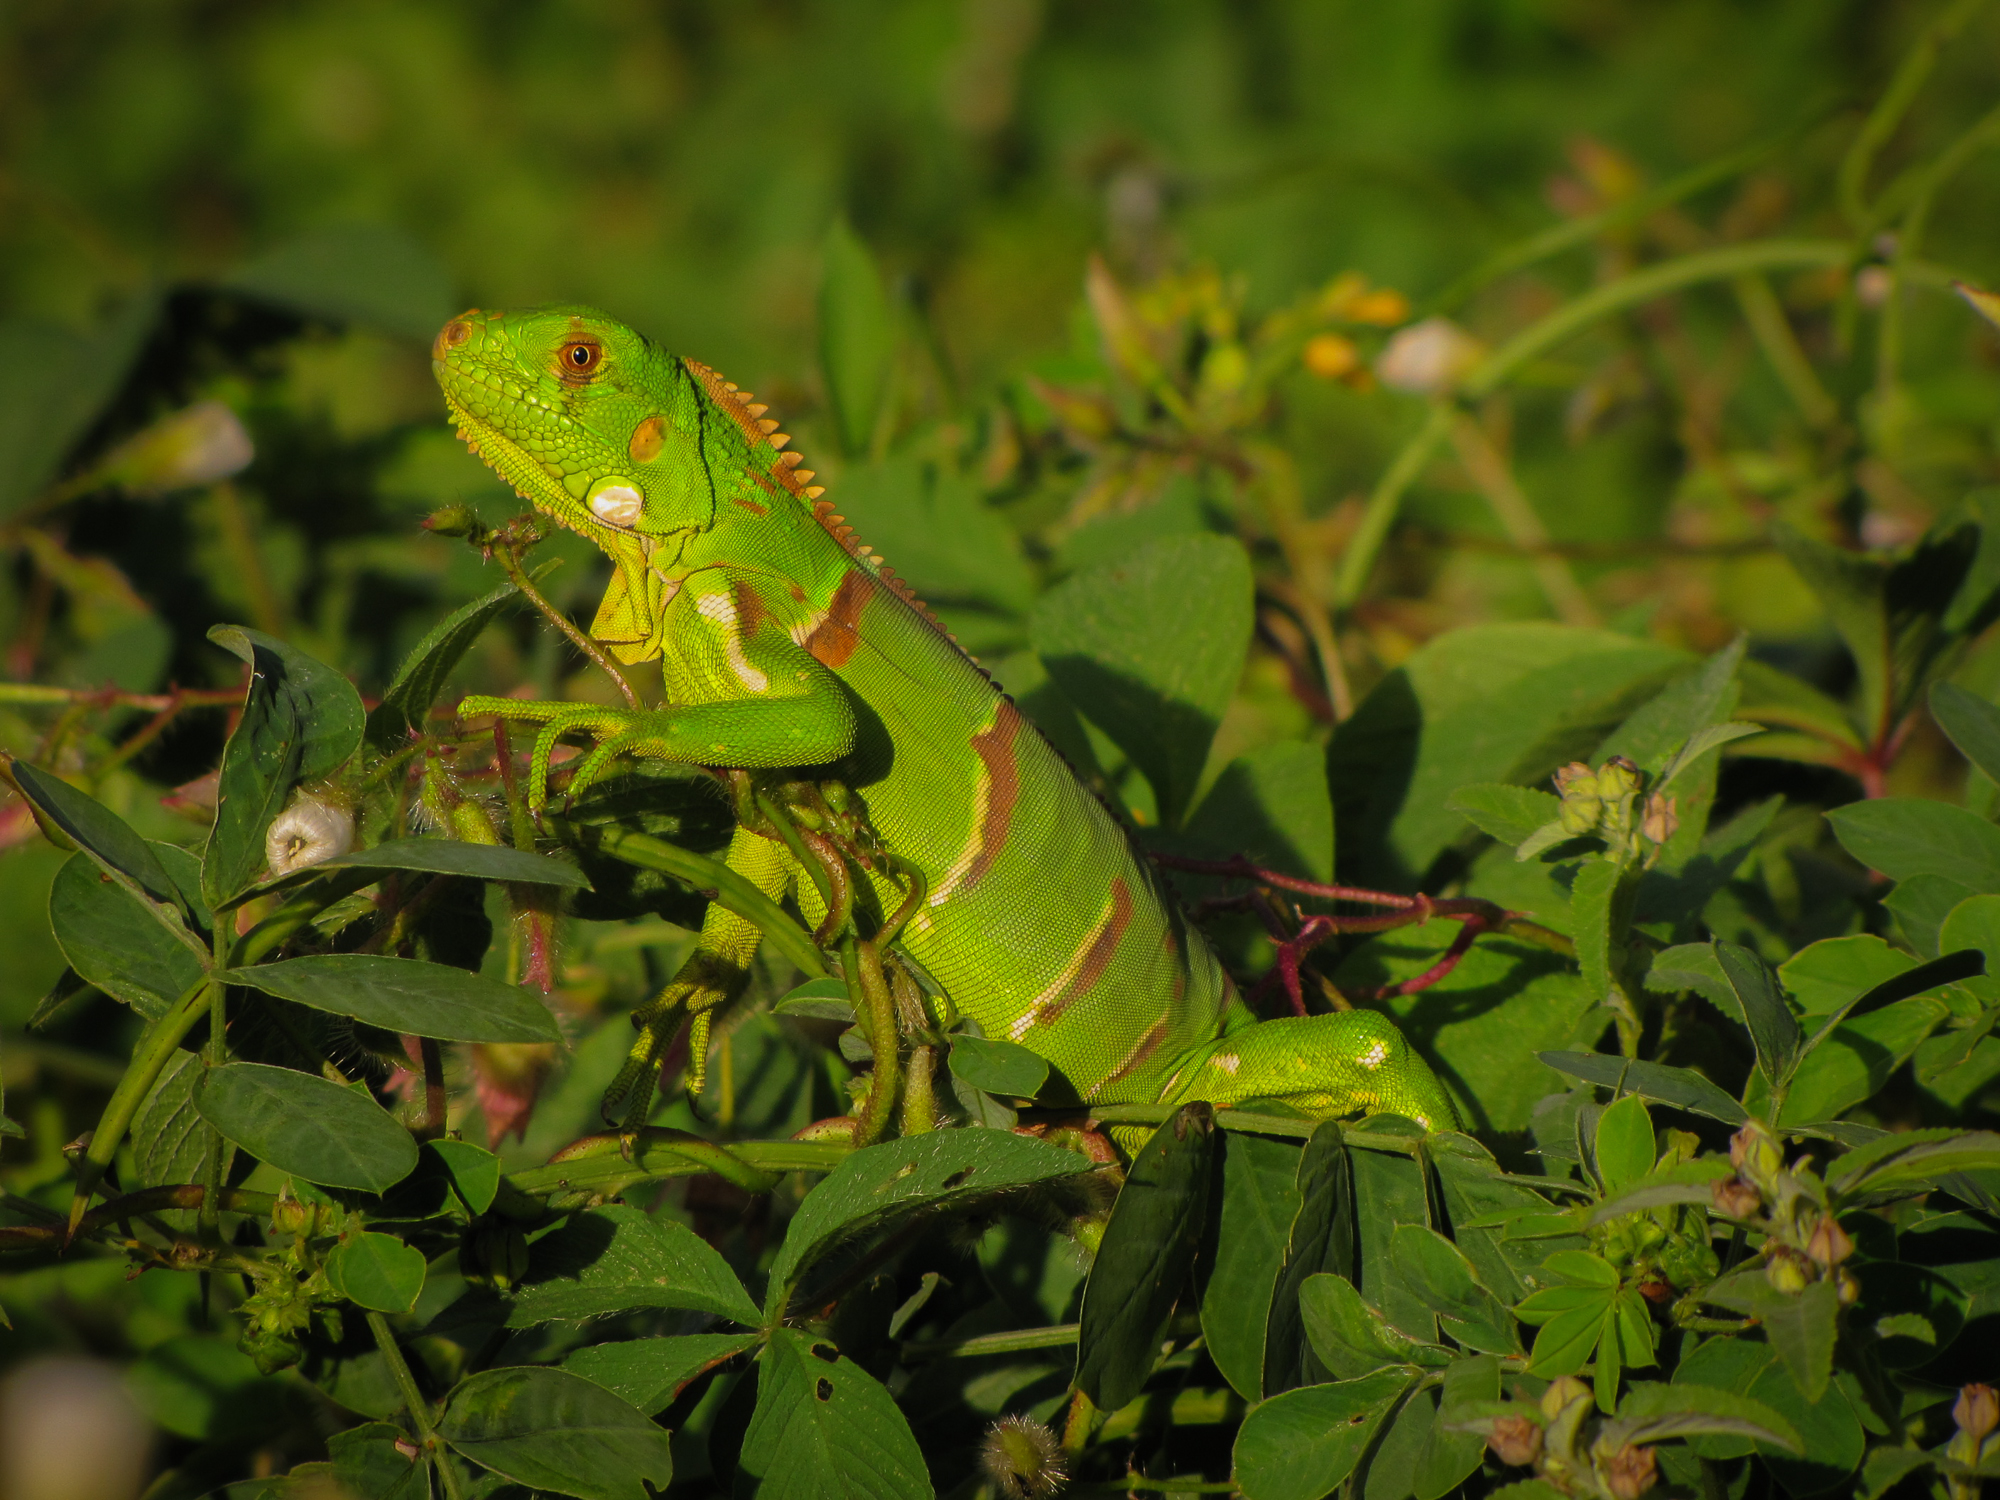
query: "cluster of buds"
1551, 1437
1664, 1248
1608, 804
1805, 1242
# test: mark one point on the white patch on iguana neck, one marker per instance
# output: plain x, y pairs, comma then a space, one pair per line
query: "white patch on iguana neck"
722, 610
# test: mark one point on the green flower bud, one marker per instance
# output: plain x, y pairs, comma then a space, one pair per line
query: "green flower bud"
453, 520
1618, 777
1785, 1273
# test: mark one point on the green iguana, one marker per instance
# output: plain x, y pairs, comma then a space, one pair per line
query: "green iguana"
784, 644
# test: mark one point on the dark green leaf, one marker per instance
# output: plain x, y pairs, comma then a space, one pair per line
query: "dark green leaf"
1682, 1088
818, 1000
111, 939
169, 1141
1910, 1162
1390, 1467
1153, 674
196, 1385
1920, 905
1477, 1192
554, 1431
1655, 1413
1389, 1190
370, 274
1148, 1249
1852, 1061
1299, 1446
934, 527
376, 1271
873, 1188
1439, 1273
367, 1461
1914, 836
616, 1259
126, 859
455, 857
824, 1429
1972, 723
1799, 1325
1320, 1240
1826, 975
1260, 1199
650, 1373
474, 1172
1773, 1028
1684, 1182
406, 705
1694, 966
1829, 1433
1005, 1068
1510, 814
54, 384
301, 719
407, 995
1448, 1456
1270, 805
306, 1126
1592, 899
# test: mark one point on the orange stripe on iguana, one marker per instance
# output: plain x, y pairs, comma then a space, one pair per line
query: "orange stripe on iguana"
1081, 973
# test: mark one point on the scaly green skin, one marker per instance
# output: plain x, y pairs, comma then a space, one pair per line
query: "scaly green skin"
783, 643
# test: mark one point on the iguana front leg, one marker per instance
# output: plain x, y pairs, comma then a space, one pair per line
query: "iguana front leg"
749, 697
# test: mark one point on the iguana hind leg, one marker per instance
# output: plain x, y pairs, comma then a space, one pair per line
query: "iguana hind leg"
708, 979
1349, 1063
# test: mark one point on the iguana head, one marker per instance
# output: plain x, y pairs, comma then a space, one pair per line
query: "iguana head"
588, 420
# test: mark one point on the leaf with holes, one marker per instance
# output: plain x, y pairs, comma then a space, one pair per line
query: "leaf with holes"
824, 1429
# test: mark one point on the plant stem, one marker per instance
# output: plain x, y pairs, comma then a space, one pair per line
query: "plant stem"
1061, 1336
510, 559
413, 1400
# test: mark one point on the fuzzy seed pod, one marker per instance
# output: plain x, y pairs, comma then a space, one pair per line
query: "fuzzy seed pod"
313, 830
1024, 1459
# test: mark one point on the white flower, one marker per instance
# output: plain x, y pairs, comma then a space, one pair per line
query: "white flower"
310, 832
1429, 358
200, 445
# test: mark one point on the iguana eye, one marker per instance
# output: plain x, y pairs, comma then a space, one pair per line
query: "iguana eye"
579, 357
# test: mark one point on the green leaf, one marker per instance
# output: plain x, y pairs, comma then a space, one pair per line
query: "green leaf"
377, 1271
1260, 1199
616, 1259
1829, 1433
818, 1000
1270, 805
1389, 1469
1389, 1190
1449, 1457
1351, 1338
1478, 1193
372, 274
1591, 900
366, 1461
1511, 814
554, 1431
857, 336
406, 704
824, 1429
111, 939
1452, 716
1914, 836
1826, 975
128, 861
1002, 1067
1799, 1325
1319, 1239
1624, 1151
1573, 1320
1684, 1182
1682, 1088
169, 1141
455, 857
54, 384
1783, 701
1910, 1162
306, 1126
1971, 723
1774, 1030
474, 1172
1655, 1413
301, 719
1301, 1445
651, 1373
1667, 730
195, 1385
1440, 1274
1854, 1060
876, 1187
1154, 675
407, 995
1920, 905
1694, 966
1148, 1249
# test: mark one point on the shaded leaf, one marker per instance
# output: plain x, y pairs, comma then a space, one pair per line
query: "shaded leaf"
1914, 836
554, 1431
407, 995
1681, 1088
1799, 1325
1301, 1445
1147, 1251
1320, 1239
306, 1126
456, 857
650, 1373
1260, 1199
1510, 814
112, 940
1000, 1067
616, 1259
824, 1429
1351, 1338
1436, 1271
1774, 1030
1449, 1457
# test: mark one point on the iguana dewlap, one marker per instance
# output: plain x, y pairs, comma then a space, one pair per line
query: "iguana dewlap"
783, 642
